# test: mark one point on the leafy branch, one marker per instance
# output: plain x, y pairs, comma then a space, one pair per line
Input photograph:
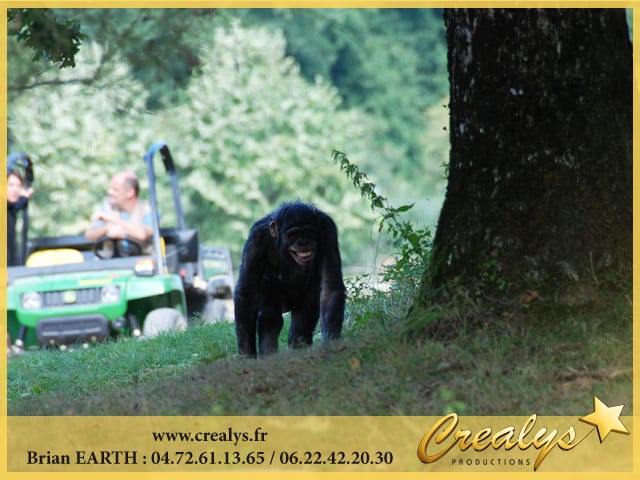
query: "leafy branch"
39, 29
414, 244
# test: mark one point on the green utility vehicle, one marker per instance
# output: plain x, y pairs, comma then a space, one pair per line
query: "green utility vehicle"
73, 291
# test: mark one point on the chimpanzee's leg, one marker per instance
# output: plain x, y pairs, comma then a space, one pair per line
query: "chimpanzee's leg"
304, 318
269, 317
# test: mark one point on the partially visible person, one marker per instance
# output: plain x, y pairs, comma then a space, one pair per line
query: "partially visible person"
123, 215
17, 199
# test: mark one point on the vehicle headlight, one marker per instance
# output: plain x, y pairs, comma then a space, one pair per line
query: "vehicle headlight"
31, 300
110, 294
145, 267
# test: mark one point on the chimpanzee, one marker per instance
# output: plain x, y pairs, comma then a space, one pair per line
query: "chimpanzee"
290, 262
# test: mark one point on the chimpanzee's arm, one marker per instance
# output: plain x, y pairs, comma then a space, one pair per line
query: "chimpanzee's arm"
333, 295
247, 290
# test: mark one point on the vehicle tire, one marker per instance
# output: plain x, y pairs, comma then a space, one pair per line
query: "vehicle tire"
218, 310
163, 320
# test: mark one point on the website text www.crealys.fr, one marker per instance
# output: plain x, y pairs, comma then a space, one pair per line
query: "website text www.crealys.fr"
228, 435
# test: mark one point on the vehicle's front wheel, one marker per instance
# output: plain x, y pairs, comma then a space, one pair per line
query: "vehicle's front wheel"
163, 320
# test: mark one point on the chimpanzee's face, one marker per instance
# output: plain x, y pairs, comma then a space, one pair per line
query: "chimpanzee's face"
299, 230
301, 242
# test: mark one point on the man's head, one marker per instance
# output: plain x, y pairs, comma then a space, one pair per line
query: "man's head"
123, 190
15, 184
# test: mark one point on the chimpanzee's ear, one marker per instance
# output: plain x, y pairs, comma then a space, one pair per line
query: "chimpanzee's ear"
273, 227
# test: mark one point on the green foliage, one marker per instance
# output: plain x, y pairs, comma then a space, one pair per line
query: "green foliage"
78, 135
451, 405
160, 45
376, 59
254, 133
53, 41
412, 244
491, 277
231, 110
378, 303
389, 64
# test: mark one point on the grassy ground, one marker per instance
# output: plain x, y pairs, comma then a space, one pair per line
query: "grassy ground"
547, 357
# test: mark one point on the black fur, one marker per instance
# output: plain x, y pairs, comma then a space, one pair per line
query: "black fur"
290, 262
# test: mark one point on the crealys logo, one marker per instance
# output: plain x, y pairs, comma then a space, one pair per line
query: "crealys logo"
443, 437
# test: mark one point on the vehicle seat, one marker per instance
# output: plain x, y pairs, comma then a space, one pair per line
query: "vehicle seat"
56, 256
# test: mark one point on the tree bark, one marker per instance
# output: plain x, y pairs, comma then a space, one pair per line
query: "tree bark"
540, 175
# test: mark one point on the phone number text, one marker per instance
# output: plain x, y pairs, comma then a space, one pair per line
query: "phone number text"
269, 458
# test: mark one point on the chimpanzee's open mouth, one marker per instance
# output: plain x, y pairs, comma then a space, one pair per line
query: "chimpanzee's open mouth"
302, 256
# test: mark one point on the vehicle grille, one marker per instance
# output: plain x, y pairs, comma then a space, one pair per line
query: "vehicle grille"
83, 296
66, 330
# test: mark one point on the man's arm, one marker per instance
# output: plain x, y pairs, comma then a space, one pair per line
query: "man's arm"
107, 224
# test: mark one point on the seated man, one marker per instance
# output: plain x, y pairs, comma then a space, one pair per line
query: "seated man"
123, 215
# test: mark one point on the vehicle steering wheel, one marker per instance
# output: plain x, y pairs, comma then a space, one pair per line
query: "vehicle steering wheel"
108, 247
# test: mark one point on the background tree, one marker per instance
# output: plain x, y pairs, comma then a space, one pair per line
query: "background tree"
391, 64
250, 134
364, 53
79, 134
374, 58
49, 39
161, 46
540, 175
254, 133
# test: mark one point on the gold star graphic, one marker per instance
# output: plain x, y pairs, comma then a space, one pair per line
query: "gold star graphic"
605, 419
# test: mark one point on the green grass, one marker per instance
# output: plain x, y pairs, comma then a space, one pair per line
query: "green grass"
547, 358
105, 367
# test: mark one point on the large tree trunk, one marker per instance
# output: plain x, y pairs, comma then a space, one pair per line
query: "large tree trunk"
540, 174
